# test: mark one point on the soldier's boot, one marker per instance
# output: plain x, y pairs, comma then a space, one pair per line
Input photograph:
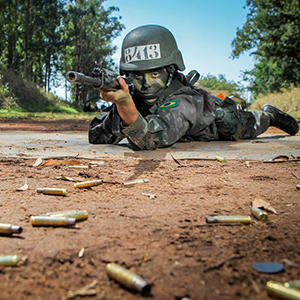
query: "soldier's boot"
281, 119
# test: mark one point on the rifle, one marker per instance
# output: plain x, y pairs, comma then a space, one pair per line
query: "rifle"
101, 79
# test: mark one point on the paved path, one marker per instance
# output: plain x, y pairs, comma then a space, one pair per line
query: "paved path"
31, 144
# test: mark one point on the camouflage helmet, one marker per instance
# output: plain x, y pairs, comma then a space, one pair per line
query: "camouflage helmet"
149, 47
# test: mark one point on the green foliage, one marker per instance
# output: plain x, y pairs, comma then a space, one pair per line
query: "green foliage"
87, 36
19, 94
211, 82
271, 34
6, 114
42, 40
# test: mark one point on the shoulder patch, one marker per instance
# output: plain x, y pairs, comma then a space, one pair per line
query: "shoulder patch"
169, 104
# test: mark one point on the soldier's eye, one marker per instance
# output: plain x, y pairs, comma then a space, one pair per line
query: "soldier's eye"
155, 75
137, 75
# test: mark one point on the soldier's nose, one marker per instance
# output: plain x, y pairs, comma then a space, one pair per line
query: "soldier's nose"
145, 84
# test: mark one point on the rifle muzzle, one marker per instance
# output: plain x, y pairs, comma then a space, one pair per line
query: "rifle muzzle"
81, 78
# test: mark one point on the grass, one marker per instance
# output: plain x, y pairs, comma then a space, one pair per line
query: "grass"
288, 101
11, 115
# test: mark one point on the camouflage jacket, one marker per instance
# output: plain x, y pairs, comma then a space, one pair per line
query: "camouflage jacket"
180, 116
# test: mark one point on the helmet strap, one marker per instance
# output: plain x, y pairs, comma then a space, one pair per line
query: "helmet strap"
171, 70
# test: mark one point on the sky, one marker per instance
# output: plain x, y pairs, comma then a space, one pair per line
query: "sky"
203, 29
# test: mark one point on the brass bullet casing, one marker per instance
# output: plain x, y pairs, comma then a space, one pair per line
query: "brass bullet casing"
52, 221
59, 212
79, 167
77, 215
9, 229
259, 214
52, 191
229, 219
280, 291
8, 260
127, 278
86, 184
136, 181
295, 284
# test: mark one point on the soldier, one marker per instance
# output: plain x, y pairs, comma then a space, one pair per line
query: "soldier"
165, 107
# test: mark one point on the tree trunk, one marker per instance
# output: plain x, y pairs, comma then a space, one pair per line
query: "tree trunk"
26, 39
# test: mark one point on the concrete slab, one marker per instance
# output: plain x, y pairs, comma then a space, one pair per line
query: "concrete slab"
33, 144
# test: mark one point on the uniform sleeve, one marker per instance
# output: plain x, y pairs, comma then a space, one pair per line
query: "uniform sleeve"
162, 129
105, 129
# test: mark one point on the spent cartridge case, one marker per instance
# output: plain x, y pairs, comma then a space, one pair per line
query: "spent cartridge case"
8, 260
52, 221
127, 278
59, 212
259, 214
221, 159
295, 284
9, 228
77, 215
280, 291
79, 167
229, 219
86, 184
52, 191
136, 181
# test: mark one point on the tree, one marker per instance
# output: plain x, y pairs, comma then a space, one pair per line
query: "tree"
88, 31
271, 34
41, 39
211, 82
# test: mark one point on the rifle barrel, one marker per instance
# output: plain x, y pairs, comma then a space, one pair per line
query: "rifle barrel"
81, 78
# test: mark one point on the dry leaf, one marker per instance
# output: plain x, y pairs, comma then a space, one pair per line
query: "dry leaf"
176, 160
38, 162
65, 178
52, 162
81, 252
88, 290
248, 164
23, 187
263, 204
151, 196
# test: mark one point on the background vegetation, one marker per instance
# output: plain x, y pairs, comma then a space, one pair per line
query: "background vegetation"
41, 40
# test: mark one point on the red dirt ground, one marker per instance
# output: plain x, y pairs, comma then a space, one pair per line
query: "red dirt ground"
164, 239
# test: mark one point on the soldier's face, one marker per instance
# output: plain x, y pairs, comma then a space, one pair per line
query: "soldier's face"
149, 83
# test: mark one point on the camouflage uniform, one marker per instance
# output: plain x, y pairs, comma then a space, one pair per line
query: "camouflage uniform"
180, 116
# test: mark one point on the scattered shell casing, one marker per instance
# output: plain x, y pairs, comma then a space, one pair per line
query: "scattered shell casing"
86, 184
9, 228
136, 181
221, 159
52, 221
79, 167
59, 212
127, 278
77, 215
52, 191
295, 284
229, 219
279, 290
259, 214
8, 260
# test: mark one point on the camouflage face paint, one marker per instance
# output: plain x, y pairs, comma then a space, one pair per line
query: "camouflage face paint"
150, 83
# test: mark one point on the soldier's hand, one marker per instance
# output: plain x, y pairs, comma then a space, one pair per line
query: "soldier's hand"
120, 97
